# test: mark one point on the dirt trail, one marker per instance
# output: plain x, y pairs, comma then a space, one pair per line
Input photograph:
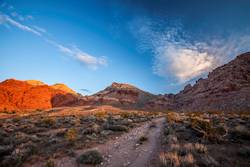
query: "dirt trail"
125, 151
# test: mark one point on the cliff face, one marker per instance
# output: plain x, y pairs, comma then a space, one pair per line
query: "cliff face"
119, 94
21, 95
226, 88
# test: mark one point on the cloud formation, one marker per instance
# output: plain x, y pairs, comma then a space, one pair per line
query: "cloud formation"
6, 19
185, 63
181, 58
84, 58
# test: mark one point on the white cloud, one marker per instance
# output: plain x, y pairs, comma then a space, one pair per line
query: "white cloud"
91, 62
184, 63
40, 29
86, 59
178, 57
6, 19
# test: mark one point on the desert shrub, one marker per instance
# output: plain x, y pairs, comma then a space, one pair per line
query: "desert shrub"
186, 148
207, 130
142, 139
174, 147
170, 139
48, 122
49, 163
167, 130
187, 161
100, 114
241, 132
39, 110
200, 148
115, 127
127, 115
92, 157
95, 128
170, 159
16, 119
244, 152
173, 117
71, 135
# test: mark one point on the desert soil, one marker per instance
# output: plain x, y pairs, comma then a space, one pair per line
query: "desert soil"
124, 150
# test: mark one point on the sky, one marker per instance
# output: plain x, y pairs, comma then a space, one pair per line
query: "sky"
158, 46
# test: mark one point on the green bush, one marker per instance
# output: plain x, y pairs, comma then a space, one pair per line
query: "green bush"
91, 157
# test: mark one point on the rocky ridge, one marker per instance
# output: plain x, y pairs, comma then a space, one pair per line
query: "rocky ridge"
227, 88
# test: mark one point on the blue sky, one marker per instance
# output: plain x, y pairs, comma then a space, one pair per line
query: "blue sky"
159, 46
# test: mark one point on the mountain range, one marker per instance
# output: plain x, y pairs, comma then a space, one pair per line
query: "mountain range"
226, 88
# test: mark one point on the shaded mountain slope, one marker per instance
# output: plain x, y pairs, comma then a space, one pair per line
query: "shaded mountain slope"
227, 88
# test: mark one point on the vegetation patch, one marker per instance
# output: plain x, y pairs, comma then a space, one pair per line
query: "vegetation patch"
92, 157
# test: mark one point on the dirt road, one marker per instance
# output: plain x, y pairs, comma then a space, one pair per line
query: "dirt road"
125, 150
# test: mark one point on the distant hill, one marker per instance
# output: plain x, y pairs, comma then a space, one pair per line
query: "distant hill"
119, 94
227, 88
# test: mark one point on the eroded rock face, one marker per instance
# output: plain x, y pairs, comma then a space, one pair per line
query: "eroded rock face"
121, 95
21, 95
227, 88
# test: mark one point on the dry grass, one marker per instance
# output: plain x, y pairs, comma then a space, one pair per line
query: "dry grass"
49, 163
200, 148
71, 135
187, 160
242, 132
173, 117
207, 129
170, 159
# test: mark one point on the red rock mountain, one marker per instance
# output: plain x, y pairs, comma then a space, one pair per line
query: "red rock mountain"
118, 94
227, 88
22, 95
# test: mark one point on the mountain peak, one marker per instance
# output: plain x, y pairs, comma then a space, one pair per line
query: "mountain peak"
122, 86
63, 87
35, 82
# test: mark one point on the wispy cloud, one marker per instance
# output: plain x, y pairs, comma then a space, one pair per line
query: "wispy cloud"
178, 57
84, 58
6, 19
40, 29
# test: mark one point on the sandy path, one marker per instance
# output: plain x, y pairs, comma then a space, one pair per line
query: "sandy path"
124, 150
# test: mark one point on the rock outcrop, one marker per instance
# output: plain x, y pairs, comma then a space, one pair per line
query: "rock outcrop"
226, 88
24, 95
119, 95
64, 88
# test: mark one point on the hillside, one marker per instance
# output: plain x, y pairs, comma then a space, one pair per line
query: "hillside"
120, 95
21, 95
227, 88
